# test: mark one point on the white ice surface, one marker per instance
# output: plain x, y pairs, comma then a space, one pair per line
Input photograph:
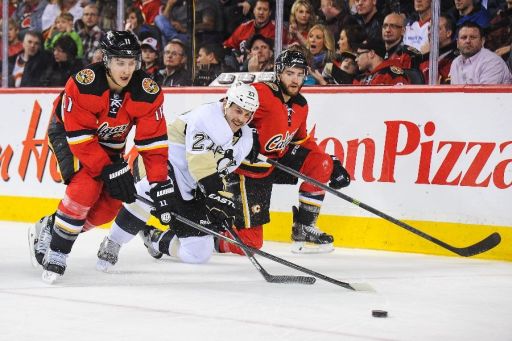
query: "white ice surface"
427, 297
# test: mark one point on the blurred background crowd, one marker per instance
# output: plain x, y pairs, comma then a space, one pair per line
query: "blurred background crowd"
185, 42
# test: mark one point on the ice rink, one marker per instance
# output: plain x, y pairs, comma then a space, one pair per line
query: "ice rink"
427, 297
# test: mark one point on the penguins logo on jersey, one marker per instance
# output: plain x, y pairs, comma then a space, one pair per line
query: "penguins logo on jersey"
225, 162
85, 76
150, 86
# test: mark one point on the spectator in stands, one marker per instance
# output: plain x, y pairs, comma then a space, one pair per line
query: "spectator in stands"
368, 17
476, 64
172, 23
350, 36
447, 51
403, 56
322, 50
11, 8
469, 10
135, 24
261, 24
417, 29
499, 34
150, 9
64, 26
28, 15
174, 72
210, 64
302, 18
335, 12
235, 12
370, 59
63, 64
108, 17
15, 45
261, 54
150, 54
342, 70
56, 7
26, 66
89, 31
209, 22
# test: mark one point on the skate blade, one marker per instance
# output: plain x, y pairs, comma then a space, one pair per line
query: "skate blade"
104, 266
309, 248
32, 237
50, 277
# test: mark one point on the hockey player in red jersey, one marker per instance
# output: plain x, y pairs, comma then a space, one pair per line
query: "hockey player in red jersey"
92, 118
281, 125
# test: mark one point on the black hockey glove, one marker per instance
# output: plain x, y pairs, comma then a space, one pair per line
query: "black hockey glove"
339, 176
220, 208
163, 196
255, 150
119, 181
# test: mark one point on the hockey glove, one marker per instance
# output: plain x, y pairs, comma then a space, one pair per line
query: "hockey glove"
220, 209
339, 176
163, 196
119, 181
255, 150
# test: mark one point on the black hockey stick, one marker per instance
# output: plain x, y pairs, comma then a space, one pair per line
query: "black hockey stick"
482, 246
268, 277
350, 286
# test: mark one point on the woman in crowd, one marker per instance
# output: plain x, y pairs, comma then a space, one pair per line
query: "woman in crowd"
302, 19
321, 49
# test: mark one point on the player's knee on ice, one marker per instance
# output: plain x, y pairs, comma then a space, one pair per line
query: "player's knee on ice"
196, 250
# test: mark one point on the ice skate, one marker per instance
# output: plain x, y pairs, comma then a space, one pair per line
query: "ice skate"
54, 265
309, 238
39, 238
149, 236
107, 255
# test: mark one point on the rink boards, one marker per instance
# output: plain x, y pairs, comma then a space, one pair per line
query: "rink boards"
438, 158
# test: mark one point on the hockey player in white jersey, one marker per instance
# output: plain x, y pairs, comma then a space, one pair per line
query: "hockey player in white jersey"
205, 144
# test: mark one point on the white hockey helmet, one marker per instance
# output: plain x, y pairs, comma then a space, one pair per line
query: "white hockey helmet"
243, 95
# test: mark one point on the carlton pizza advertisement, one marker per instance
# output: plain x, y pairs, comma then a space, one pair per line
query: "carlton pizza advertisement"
433, 156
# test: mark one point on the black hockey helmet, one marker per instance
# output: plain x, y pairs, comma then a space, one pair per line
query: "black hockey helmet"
123, 44
290, 58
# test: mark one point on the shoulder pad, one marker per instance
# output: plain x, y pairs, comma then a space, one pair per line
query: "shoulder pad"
143, 88
412, 50
272, 86
396, 70
91, 80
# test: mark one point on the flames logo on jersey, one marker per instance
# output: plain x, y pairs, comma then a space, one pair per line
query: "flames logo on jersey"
396, 70
279, 142
85, 76
150, 86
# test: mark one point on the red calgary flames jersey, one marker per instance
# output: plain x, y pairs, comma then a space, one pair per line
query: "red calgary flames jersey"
97, 120
278, 124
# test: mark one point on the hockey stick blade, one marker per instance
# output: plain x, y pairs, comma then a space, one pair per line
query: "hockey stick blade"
268, 277
484, 245
350, 286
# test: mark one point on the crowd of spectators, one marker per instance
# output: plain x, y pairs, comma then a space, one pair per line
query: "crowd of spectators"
361, 42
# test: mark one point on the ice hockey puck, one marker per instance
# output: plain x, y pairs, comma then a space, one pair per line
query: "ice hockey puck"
379, 313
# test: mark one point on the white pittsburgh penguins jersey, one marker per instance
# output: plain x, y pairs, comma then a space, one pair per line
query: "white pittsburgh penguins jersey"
201, 143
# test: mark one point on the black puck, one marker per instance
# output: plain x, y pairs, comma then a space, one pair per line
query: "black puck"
379, 313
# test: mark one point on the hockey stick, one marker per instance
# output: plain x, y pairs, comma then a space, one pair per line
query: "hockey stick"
350, 286
268, 277
482, 246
